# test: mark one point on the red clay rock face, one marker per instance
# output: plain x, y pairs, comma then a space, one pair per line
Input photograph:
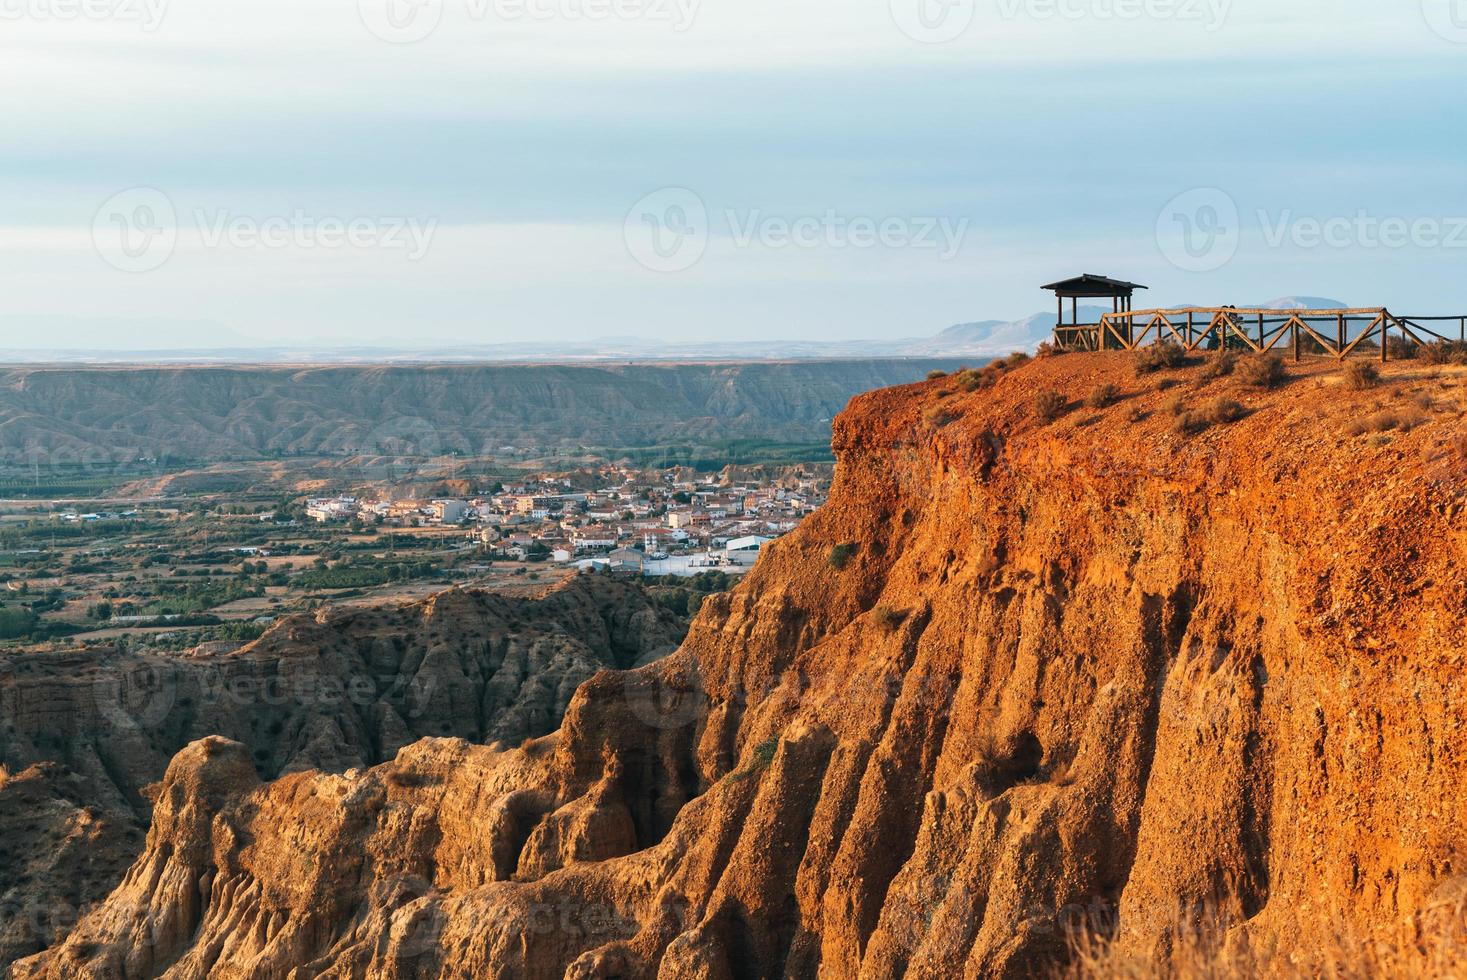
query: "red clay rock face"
1074, 673
87, 733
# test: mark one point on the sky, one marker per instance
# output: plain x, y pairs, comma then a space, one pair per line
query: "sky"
194, 173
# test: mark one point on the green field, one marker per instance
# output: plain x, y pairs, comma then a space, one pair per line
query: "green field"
714, 456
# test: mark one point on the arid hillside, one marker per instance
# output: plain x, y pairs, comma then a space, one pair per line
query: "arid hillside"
84, 735
1056, 657
213, 413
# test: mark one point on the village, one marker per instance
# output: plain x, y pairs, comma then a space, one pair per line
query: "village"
665, 524
181, 570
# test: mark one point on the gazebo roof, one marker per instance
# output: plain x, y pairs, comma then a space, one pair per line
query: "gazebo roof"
1092, 285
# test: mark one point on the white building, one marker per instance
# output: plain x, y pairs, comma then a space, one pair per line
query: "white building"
450, 511
745, 551
331, 509
627, 560
593, 539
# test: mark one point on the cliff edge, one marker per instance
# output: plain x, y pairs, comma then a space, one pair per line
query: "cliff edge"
1037, 668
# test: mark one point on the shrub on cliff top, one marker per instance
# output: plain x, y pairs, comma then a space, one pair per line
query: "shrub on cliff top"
1103, 396
971, 380
1225, 411
1190, 423
1262, 371
1049, 405
938, 416
1389, 420
1402, 349
1443, 352
936, 375
1360, 375
1159, 357
976, 380
1219, 365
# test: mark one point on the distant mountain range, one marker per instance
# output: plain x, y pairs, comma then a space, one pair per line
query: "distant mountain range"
982, 338
96, 415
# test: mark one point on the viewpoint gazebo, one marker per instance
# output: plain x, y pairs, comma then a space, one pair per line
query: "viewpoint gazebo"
1075, 334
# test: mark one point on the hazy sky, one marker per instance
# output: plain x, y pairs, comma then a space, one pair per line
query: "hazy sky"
331, 171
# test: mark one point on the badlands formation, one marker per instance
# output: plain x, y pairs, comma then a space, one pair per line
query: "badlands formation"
1040, 674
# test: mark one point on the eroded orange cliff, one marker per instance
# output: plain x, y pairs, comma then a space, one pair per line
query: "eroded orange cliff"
1070, 674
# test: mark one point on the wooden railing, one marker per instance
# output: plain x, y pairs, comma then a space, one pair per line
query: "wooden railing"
1336, 333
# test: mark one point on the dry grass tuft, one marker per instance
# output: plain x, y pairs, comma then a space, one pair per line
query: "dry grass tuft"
1103, 396
1159, 357
1432, 943
1389, 420
410, 780
938, 416
1443, 352
1190, 424
1401, 349
1219, 365
1261, 371
1049, 405
1225, 411
888, 619
970, 380
1360, 375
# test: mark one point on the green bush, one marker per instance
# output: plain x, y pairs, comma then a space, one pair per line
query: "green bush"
341, 577
841, 555
15, 623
